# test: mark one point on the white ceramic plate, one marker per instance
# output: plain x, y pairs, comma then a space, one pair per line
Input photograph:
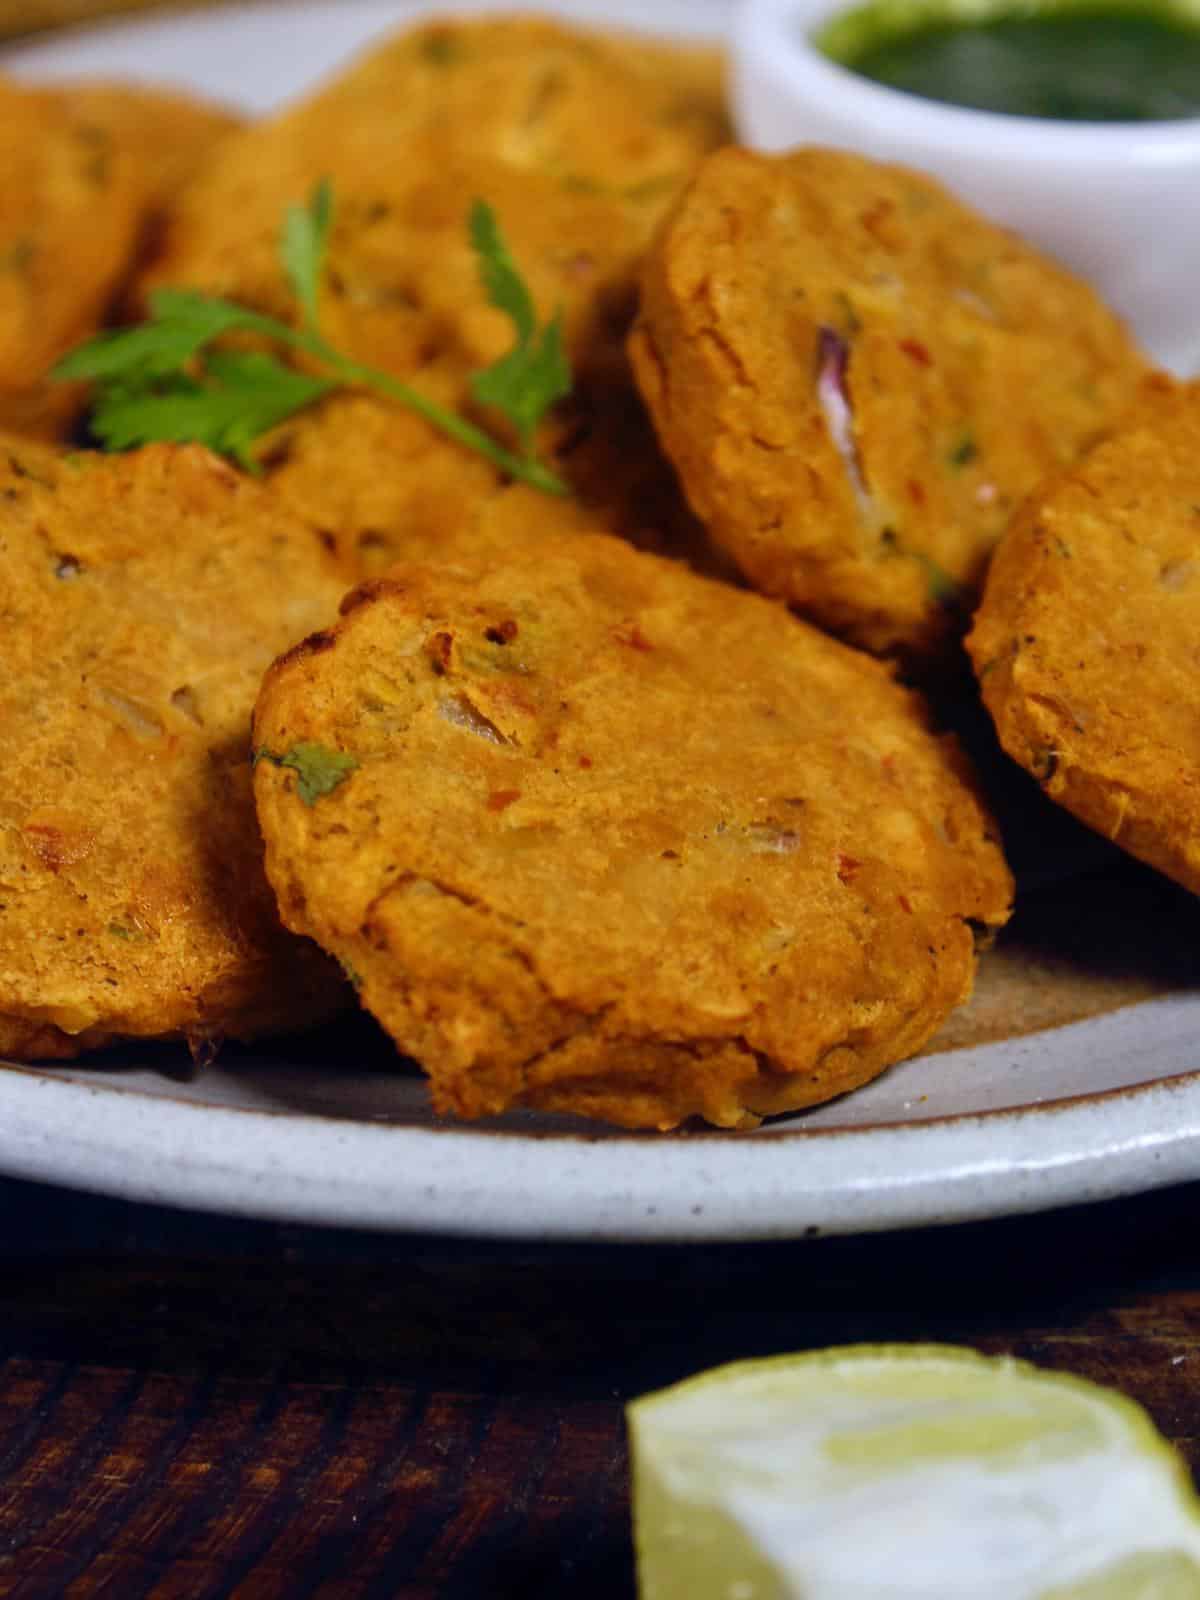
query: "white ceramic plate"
330, 1132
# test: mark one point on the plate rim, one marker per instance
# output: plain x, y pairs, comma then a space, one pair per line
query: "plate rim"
314, 1168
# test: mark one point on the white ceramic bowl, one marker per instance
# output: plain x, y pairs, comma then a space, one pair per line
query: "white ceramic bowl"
1117, 202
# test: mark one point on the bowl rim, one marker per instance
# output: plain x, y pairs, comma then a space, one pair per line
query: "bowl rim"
776, 36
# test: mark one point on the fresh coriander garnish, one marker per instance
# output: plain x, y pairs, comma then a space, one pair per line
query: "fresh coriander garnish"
319, 770
163, 381
302, 248
239, 397
526, 382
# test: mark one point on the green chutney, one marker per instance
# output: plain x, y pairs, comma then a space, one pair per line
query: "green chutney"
1077, 62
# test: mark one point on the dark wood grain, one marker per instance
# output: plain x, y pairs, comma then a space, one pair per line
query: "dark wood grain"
194, 1408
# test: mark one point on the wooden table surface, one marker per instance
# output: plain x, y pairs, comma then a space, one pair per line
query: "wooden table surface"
196, 1407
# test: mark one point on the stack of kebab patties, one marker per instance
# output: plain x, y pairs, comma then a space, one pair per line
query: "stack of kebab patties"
144, 596
141, 598
586, 831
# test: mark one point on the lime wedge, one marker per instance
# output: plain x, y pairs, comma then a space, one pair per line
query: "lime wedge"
906, 1472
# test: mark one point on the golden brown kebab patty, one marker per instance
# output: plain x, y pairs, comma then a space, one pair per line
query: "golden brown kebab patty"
84, 172
858, 378
595, 834
143, 596
579, 141
1087, 646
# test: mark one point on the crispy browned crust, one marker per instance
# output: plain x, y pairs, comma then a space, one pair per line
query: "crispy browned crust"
84, 172
70, 220
382, 485
579, 144
969, 366
143, 596
1086, 642
578, 141
620, 840
170, 136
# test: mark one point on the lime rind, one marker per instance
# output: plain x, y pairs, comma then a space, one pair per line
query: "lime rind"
898, 1471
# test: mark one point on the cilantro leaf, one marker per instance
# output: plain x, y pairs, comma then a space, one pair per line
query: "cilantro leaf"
524, 383
123, 354
503, 283
303, 246
241, 395
319, 770
182, 323
164, 380
204, 317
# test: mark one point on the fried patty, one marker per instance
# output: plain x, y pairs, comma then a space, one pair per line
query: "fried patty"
71, 209
382, 485
594, 834
169, 135
85, 171
579, 142
858, 378
1086, 642
143, 597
